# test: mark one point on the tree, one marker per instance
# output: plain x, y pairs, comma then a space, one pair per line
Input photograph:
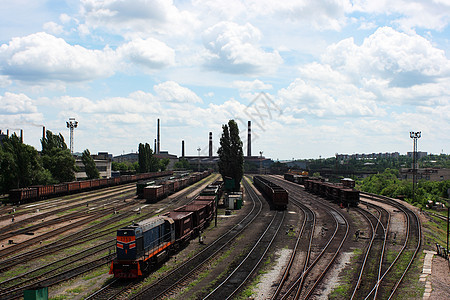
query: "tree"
231, 155
163, 163
89, 165
57, 158
20, 165
182, 164
147, 162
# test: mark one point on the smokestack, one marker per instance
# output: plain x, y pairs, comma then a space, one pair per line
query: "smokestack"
249, 139
158, 141
154, 148
210, 144
182, 148
43, 132
7, 132
21, 135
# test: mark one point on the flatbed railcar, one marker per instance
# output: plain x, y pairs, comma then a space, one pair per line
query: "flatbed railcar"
142, 245
30, 194
277, 195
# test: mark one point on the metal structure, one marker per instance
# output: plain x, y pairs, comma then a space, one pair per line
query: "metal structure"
71, 124
198, 167
260, 161
415, 136
249, 139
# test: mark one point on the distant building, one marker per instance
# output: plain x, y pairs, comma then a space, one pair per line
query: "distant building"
420, 154
102, 162
431, 174
359, 156
130, 157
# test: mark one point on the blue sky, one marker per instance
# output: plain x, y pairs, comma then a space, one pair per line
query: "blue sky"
315, 77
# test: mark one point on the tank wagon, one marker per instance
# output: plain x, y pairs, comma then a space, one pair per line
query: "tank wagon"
40, 192
142, 245
276, 194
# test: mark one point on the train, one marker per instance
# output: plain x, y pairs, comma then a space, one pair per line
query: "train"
144, 244
157, 190
276, 194
343, 193
40, 192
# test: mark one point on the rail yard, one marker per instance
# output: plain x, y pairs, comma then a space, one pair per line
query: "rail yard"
179, 237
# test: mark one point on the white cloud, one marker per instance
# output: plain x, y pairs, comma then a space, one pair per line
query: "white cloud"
150, 53
388, 52
42, 57
409, 14
137, 16
17, 103
234, 49
172, 91
326, 101
17, 110
53, 28
255, 85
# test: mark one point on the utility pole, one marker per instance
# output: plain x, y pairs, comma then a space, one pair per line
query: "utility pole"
415, 136
71, 124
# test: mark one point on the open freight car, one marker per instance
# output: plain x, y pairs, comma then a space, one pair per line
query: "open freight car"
276, 194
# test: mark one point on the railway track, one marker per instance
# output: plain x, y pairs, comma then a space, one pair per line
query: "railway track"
389, 282
69, 267
177, 278
240, 275
52, 205
321, 251
374, 252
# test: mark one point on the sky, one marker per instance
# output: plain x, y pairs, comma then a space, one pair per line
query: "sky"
316, 78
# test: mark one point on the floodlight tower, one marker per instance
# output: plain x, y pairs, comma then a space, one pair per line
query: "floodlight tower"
198, 150
415, 136
260, 162
71, 124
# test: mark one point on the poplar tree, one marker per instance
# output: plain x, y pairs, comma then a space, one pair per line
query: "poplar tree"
89, 165
231, 155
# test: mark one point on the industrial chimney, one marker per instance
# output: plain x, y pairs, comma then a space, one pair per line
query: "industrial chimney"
43, 132
249, 139
21, 135
210, 145
158, 141
154, 148
182, 148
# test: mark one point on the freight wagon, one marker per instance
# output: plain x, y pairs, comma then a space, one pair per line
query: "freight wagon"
41, 192
341, 193
276, 194
141, 245
154, 193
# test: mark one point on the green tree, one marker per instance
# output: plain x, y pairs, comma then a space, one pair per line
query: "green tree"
89, 165
231, 155
182, 164
147, 162
57, 158
20, 165
163, 163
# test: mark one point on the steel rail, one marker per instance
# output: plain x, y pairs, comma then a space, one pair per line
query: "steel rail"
209, 251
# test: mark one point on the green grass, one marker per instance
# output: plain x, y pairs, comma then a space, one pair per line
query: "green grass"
343, 290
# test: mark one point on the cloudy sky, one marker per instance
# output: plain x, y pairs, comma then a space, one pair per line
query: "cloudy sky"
315, 77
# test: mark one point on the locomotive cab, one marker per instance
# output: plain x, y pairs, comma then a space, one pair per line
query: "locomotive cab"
129, 243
